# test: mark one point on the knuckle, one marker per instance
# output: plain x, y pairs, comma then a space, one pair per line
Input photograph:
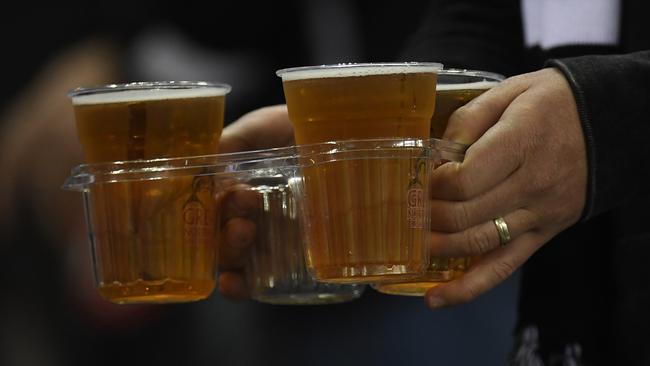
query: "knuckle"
468, 293
460, 216
502, 270
462, 183
462, 114
539, 184
531, 219
529, 187
516, 79
478, 242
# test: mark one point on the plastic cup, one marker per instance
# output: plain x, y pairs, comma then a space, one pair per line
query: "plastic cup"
370, 226
276, 271
149, 120
455, 88
365, 210
137, 225
167, 252
355, 233
155, 250
360, 101
440, 269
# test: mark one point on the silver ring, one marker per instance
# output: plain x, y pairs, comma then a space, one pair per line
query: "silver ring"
502, 229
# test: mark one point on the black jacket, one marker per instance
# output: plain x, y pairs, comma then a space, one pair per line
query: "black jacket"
585, 296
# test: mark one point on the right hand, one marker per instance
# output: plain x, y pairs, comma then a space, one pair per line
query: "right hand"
526, 164
263, 128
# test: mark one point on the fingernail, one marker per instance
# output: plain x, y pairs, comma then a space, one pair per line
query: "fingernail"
435, 302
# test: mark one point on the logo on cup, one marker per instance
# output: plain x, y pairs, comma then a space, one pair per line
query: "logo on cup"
415, 210
198, 221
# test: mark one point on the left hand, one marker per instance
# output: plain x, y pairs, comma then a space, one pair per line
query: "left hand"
527, 163
263, 128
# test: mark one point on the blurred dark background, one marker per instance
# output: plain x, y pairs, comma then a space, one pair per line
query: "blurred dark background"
50, 313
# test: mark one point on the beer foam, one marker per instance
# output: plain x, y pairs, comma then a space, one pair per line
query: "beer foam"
467, 86
141, 95
350, 71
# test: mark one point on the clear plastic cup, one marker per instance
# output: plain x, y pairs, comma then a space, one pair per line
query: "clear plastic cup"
152, 245
276, 272
360, 101
167, 252
455, 88
149, 120
439, 269
142, 246
359, 207
358, 194
365, 208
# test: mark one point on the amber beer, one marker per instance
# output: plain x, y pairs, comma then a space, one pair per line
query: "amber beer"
149, 120
359, 229
455, 88
450, 97
154, 240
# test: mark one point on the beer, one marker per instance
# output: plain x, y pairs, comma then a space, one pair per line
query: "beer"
154, 240
439, 271
450, 97
333, 104
455, 88
365, 217
130, 124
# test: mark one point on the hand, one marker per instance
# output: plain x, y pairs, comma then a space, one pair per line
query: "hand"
526, 163
263, 128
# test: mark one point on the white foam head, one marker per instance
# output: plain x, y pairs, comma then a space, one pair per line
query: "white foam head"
106, 96
467, 86
350, 70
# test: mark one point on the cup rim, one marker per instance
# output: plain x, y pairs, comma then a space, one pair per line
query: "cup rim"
243, 162
468, 72
146, 85
327, 70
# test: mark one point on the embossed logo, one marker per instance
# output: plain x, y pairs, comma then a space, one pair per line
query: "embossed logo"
415, 210
198, 221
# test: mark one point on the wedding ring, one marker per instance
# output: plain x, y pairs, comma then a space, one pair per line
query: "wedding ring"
502, 229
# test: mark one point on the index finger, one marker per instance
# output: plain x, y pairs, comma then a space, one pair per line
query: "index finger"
469, 122
238, 207
239, 201
489, 124
489, 161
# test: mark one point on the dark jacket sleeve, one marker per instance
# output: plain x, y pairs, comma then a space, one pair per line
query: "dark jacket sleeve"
478, 34
613, 98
